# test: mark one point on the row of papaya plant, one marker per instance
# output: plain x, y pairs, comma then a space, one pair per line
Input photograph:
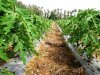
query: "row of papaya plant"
18, 29
84, 29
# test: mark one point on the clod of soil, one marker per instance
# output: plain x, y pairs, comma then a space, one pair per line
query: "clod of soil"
56, 41
96, 54
59, 34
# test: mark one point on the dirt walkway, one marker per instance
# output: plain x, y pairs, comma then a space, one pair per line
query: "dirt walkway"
55, 57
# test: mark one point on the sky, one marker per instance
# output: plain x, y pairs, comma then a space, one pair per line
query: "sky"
64, 4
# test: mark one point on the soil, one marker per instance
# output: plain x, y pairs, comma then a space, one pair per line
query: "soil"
2, 62
96, 54
55, 57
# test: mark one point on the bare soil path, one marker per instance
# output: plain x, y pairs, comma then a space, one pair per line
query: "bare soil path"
55, 57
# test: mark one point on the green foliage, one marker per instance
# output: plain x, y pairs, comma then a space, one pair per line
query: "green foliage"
3, 55
18, 29
6, 72
35, 10
84, 29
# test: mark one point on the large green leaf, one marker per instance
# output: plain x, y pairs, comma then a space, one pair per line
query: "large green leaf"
3, 55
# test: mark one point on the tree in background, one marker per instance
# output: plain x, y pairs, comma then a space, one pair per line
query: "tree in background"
48, 13
20, 4
34, 9
54, 14
60, 15
65, 13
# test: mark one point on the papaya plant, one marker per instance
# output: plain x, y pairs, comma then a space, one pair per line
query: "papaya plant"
19, 29
84, 29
